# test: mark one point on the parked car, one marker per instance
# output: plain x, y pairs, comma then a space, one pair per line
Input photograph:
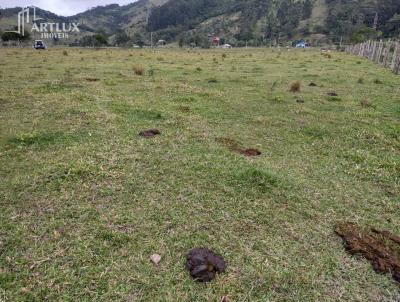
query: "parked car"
39, 44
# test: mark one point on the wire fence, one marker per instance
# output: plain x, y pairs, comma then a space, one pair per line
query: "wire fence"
386, 53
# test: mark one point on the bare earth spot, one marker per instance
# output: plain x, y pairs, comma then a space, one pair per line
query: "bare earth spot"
234, 146
149, 133
380, 248
332, 94
89, 79
229, 142
203, 264
250, 152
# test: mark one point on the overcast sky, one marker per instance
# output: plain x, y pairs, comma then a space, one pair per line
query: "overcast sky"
62, 7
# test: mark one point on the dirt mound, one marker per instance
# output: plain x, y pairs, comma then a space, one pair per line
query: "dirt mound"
203, 264
235, 146
150, 133
380, 248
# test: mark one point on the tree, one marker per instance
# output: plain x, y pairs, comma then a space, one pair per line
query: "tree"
121, 38
100, 39
364, 34
96, 40
13, 36
138, 39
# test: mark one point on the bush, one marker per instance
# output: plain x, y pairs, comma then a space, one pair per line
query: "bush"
138, 70
295, 87
65, 53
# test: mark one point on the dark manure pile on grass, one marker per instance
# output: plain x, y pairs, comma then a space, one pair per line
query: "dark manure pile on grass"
380, 248
203, 264
149, 133
250, 152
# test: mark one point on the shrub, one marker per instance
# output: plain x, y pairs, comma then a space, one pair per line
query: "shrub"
295, 87
224, 55
360, 81
377, 81
138, 70
65, 53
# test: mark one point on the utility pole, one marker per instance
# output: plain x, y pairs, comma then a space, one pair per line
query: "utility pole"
375, 26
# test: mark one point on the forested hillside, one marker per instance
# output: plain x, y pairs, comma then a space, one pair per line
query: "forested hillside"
238, 22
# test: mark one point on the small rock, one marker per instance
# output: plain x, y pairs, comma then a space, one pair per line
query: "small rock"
155, 258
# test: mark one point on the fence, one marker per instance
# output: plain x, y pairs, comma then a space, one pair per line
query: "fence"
386, 53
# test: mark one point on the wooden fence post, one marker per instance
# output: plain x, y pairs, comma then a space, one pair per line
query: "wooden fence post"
395, 52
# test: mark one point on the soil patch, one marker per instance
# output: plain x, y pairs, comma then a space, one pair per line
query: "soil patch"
92, 79
380, 248
251, 152
150, 133
203, 264
235, 146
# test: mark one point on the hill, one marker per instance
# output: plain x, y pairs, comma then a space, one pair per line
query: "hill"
238, 22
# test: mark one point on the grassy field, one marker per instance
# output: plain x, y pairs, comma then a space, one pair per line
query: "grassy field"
85, 201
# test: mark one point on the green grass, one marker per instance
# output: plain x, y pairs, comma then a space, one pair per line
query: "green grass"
85, 201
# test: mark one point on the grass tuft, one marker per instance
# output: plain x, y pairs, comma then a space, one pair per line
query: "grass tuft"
138, 70
260, 179
295, 87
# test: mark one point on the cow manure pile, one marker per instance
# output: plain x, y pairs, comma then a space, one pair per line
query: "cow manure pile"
203, 264
90, 79
250, 152
332, 93
149, 133
235, 146
380, 248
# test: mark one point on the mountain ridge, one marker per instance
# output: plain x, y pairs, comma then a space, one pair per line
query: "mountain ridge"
239, 22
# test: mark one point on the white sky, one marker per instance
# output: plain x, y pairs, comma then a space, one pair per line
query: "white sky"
62, 7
